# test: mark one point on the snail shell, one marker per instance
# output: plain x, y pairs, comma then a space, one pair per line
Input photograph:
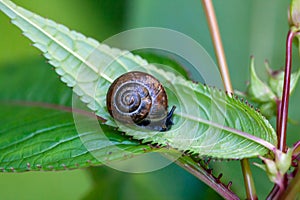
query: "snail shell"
137, 98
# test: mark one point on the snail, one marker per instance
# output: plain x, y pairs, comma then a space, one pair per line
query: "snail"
137, 98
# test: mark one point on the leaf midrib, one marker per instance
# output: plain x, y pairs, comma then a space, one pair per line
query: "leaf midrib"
231, 130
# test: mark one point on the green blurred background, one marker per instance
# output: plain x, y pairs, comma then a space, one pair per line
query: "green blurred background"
248, 28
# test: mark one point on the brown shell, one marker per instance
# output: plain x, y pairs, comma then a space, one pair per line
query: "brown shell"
137, 98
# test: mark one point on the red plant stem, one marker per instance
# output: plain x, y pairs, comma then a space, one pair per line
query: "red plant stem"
283, 105
278, 105
274, 193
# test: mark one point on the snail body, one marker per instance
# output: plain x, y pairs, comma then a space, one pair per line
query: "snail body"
137, 98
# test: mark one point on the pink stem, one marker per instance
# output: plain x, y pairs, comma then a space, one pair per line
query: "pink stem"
283, 105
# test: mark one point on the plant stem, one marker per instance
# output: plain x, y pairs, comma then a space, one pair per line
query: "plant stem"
248, 180
278, 105
217, 41
274, 193
219, 51
283, 105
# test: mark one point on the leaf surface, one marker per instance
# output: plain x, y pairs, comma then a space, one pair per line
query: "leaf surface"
207, 121
37, 127
49, 141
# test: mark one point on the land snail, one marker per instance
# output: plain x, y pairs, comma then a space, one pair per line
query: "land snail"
138, 99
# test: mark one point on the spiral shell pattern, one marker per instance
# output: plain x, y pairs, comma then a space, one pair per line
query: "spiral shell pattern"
137, 98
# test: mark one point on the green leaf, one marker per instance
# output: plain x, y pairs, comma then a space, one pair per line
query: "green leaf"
37, 127
276, 79
43, 86
276, 169
207, 121
267, 94
268, 109
257, 90
49, 140
261, 93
